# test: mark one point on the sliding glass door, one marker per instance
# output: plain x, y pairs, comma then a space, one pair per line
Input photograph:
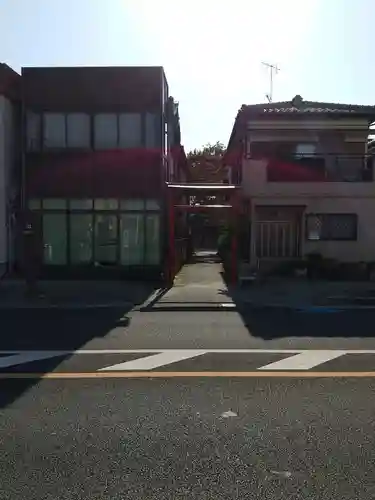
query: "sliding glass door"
106, 239
132, 239
101, 231
54, 239
152, 256
81, 238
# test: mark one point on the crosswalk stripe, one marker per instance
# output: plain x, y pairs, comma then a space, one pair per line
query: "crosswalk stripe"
155, 361
304, 360
150, 359
28, 357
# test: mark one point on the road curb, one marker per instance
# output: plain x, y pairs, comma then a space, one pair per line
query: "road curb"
307, 308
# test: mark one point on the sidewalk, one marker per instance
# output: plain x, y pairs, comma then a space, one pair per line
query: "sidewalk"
196, 285
201, 285
295, 294
75, 294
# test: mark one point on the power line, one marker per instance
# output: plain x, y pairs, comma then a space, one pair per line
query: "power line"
273, 68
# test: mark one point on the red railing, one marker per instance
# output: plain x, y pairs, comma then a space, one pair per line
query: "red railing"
332, 168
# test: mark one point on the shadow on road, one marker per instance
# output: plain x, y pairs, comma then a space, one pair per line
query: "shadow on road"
271, 323
52, 330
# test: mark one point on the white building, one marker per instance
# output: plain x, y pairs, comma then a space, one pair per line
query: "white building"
308, 180
10, 163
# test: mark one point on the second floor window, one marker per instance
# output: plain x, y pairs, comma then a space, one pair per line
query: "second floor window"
78, 130
70, 130
105, 131
307, 150
45, 131
54, 130
33, 128
113, 131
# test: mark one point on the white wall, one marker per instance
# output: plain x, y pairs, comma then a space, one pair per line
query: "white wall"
317, 197
362, 249
7, 138
254, 183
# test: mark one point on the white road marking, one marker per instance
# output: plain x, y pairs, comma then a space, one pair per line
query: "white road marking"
28, 356
208, 351
299, 359
228, 414
282, 473
155, 361
304, 360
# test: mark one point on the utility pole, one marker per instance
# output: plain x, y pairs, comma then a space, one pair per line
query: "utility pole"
272, 68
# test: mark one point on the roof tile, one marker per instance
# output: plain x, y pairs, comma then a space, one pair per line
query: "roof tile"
298, 106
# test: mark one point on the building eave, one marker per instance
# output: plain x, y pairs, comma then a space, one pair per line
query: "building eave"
10, 83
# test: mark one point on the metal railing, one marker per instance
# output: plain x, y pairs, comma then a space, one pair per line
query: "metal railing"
327, 168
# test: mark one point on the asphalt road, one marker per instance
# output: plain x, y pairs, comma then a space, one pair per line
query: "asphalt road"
197, 439
255, 437
213, 328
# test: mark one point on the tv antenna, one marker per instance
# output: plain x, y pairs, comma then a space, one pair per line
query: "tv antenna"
273, 68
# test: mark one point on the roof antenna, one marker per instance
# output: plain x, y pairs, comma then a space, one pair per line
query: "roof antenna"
272, 68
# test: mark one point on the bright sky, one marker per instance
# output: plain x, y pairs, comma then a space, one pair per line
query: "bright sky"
211, 50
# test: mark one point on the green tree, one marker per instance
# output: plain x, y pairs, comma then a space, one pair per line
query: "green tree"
217, 149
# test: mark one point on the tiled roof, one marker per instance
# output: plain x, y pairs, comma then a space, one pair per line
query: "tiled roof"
299, 106
293, 108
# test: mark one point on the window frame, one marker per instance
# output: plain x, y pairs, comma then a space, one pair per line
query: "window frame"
45, 146
313, 154
68, 141
33, 144
64, 216
123, 126
148, 207
95, 145
71, 217
38, 144
321, 215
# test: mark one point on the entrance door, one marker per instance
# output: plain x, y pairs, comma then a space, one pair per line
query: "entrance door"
54, 239
277, 239
106, 239
132, 239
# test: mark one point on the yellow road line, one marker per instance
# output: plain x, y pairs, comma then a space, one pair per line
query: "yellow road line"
165, 374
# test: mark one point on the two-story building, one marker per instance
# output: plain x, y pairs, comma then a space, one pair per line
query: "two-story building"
10, 163
307, 178
100, 143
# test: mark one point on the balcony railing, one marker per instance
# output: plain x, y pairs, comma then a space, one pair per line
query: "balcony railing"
330, 168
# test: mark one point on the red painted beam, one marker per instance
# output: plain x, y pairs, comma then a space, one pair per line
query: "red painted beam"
197, 208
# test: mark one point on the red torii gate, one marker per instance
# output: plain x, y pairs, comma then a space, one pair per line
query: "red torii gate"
175, 191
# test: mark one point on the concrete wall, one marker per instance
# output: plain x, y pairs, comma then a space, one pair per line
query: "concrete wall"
93, 89
7, 151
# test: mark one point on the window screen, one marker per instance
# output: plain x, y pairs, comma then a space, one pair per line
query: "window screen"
106, 131
78, 126
33, 131
305, 150
130, 130
54, 130
331, 227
